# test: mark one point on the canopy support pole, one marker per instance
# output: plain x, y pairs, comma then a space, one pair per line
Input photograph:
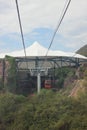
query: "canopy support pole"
38, 82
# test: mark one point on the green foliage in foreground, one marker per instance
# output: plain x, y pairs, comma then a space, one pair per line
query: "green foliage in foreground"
47, 111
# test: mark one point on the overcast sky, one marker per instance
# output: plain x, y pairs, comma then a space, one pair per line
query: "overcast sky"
39, 19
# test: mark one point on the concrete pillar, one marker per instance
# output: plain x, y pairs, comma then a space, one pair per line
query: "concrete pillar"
38, 82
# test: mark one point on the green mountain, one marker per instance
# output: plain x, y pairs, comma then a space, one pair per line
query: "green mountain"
83, 50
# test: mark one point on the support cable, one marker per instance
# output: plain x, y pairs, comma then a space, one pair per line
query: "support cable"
21, 30
67, 3
59, 23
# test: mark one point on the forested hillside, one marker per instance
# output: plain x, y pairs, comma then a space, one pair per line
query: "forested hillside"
49, 110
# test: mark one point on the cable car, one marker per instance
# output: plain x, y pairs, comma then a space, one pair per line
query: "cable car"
48, 84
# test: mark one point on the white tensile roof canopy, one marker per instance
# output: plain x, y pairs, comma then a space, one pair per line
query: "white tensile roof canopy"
37, 50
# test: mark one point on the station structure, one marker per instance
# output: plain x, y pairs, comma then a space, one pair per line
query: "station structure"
38, 64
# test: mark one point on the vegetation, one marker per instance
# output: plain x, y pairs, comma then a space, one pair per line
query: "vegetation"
85, 79
10, 84
46, 111
62, 74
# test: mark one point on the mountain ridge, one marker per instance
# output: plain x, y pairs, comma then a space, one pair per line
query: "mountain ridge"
83, 50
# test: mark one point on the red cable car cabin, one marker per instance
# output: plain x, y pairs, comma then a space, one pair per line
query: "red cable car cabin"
48, 84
